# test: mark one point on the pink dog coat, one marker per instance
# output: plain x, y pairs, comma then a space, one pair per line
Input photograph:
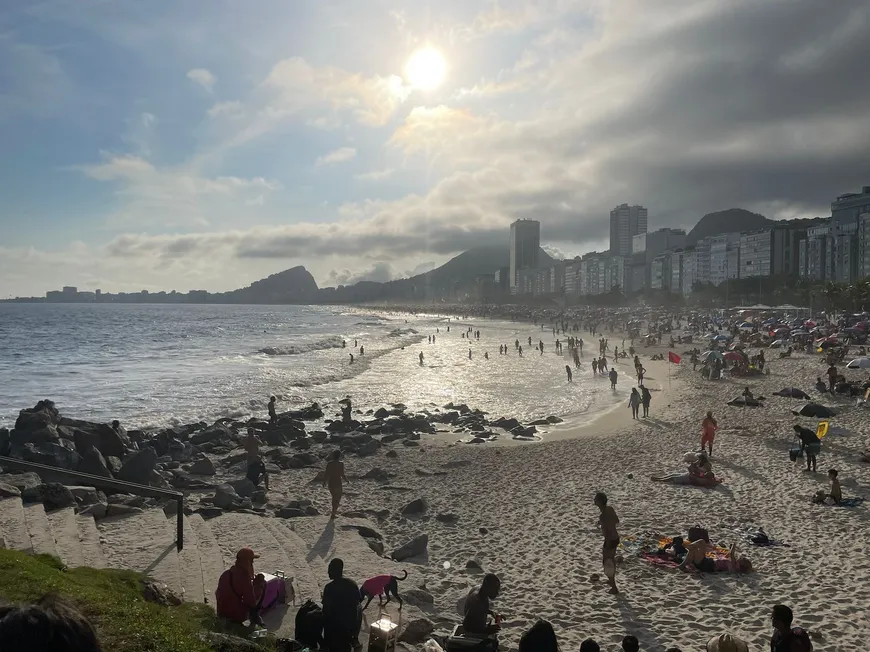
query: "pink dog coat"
376, 585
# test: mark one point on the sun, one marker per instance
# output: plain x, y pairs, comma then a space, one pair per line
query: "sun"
425, 69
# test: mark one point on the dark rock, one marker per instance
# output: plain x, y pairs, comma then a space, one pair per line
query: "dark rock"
259, 497
420, 598
410, 443
274, 438
87, 495
244, 487
392, 454
130, 500
94, 463
318, 436
483, 530
202, 466
305, 414
183, 480
114, 464
112, 442
159, 594
554, 419
61, 454
507, 424
391, 437
232, 460
450, 519
4, 441
473, 566
139, 466
97, 510
302, 503
368, 448
540, 422
8, 491
219, 432
415, 507
21, 481
226, 497
300, 444
364, 531
209, 512
159, 480
448, 417
413, 548
55, 496
43, 435
417, 631
42, 414
290, 512
477, 440
381, 413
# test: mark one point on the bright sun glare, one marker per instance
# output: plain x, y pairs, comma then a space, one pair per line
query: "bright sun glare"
425, 69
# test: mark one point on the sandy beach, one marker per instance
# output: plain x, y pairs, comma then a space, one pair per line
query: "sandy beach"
526, 514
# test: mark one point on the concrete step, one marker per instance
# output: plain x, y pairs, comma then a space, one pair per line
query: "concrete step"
89, 537
234, 531
13, 525
189, 562
212, 562
39, 530
142, 542
306, 582
66, 537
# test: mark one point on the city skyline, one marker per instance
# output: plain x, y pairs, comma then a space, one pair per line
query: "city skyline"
203, 144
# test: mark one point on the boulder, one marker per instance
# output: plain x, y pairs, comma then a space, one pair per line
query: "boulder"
61, 454
417, 546
450, 519
392, 454
244, 487
159, 593
300, 444
21, 481
183, 480
110, 441
8, 491
554, 419
218, 433
131, 500
417, 631
318, 436
139, 466
274, 437
377, 474
87, 495
122, 510
226, 497
415, 507
42, 414
410, 443
55, 496
289, 512
94, 463
114, 464
305, 414
368, 448
259, 497
210, 512
40, 435
97, 510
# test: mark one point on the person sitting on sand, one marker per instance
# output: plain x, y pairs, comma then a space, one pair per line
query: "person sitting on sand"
699, 469
835, 495
811, 445
478, 608
540, 638
334, 477
697, 558
820, 385
256, 468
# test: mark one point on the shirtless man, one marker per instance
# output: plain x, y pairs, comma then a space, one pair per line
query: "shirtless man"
334, 477
697, 558
273, 416
256, 467
608, 520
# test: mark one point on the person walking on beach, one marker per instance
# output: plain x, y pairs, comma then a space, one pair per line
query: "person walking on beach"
640, 374
421, 357
594, 365
709, 426
602, 364
273, 416
634, 402
613, 377
608, 520
256, 468
469, 354
334, 477
570, 374
645, 399
362, 350
832, 378
351, 358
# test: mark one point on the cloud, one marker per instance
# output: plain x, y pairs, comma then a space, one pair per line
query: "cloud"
202, 77
340, 155
35, 82
375, 175
379, 272
231, 108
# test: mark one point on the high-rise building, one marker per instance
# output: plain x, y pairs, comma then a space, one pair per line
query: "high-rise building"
724, 257
625, 222
525, 243
816, 252
864, 244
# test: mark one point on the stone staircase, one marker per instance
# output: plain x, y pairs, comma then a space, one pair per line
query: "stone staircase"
144, 541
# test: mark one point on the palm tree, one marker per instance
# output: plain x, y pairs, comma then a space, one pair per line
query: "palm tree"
832, 293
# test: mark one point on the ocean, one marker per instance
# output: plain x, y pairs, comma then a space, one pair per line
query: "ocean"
160, 365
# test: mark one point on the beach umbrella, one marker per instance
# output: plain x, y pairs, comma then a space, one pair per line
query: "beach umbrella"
828, 344
809, 323
710, 355
859, 363
782, 331
777, 344
737, 345
747, 324
799, 332
733, 355
722, 338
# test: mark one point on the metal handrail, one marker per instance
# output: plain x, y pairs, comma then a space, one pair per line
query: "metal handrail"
109, 483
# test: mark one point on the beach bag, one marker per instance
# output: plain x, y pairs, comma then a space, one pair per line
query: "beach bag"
697, 533
275, 591
309, 625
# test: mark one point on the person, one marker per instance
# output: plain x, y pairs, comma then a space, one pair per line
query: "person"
787, 638
239, 594
334, 476
747, 394
811, 445
590, 645
641, 371
709, 426
569, 372
486, 355
256, 467
469, 354
727, 643
634, 402
835, 495
820, 385
48, 624
351, 358
342, 616
540, 638
645, 399
608, 520
421, 357
478, 607
675, 549
832, 378
613, 378
273, 416
630, 644
594, 365
696, 555
699, 469
362, 350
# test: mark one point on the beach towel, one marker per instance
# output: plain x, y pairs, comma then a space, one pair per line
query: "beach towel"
853, 501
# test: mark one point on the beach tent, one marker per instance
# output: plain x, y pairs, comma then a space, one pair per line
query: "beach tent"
709, 355
733, 355
792, 392
859, 363
816, 411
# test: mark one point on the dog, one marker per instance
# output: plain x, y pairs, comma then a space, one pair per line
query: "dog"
380, 586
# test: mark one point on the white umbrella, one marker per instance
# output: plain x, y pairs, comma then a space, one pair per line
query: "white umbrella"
859, 363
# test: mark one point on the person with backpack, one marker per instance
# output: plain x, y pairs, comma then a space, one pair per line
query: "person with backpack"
785, 637
239, 594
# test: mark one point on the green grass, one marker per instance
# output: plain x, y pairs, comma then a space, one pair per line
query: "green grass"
112, 600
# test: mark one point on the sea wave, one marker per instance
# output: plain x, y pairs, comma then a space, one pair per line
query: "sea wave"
399, 332
332, 342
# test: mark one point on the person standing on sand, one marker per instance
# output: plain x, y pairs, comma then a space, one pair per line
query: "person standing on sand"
634, 402
569, 372
709, 426
608, 520
334, 477
613, 377
594, 365
645, 399
421, 357
273, 416
256, 468
832, 378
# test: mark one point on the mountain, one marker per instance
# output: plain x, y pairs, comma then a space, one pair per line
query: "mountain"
473, 263
728, 221
294, 285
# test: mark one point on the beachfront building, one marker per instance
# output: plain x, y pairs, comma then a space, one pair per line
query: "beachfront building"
646, 246
816, 253
525, 244
687, 273
660, 272
625, 223
702, 261
725, 257
572, 278
864, 244
846, 251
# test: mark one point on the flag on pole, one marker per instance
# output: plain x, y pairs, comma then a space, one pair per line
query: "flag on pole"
673, 357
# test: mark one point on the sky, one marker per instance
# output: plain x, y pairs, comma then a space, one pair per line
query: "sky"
204, 144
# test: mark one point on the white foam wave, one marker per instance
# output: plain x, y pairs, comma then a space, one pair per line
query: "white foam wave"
331, 342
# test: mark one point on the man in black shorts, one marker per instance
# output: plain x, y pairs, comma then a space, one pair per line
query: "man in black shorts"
256, 467
608, 522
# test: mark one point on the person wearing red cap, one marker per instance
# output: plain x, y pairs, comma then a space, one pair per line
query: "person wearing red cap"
239, 594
